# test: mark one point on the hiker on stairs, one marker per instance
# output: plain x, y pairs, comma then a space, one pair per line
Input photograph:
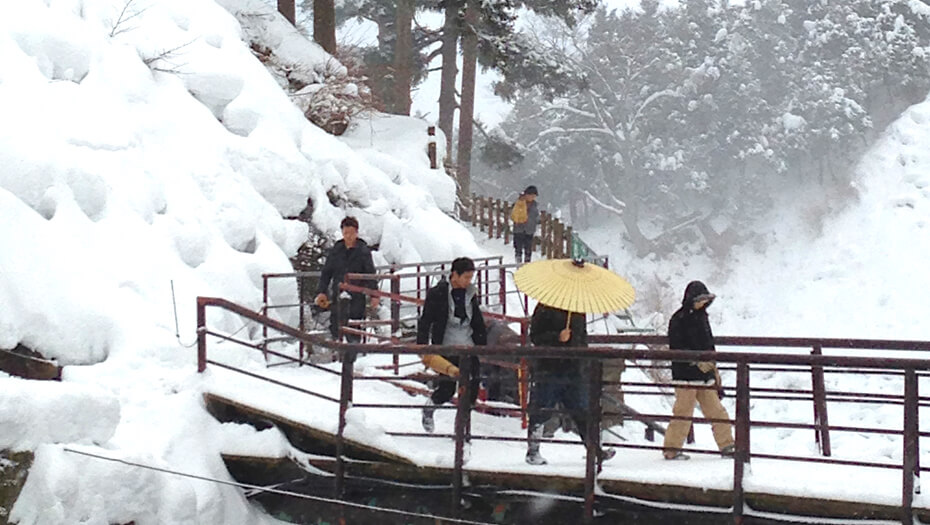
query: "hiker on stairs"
525, 217
451, 316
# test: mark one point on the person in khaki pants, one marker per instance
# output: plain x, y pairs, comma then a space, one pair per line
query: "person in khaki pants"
689, 329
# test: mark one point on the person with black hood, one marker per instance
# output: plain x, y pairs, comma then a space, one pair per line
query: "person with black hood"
451, 316
558, 379
525, 216
689, 329
349, 255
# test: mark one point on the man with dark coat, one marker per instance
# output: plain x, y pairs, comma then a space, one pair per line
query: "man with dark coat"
451, 316
689, 329
524, 232
557, 380
349, 255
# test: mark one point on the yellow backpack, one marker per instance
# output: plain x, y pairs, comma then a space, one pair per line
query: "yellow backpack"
518, 214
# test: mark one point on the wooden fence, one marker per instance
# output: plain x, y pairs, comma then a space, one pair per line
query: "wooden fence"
555, 239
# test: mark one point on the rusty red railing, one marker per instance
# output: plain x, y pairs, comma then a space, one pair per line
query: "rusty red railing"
641, 348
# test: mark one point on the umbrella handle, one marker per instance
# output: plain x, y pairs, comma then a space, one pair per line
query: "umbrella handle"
568, 321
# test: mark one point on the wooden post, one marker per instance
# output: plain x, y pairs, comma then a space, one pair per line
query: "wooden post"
492, 218
822, 432
201, 335
345, 399
461, 422
559, 244
395, 316
500, 217
593, 445
431, 147
910, 468
568, 242
473, 205
480, 205
543, 233
741, 457
507, 225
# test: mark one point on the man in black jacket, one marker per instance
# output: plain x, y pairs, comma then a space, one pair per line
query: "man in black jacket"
451, 316
689, 329
558, 379
349, 255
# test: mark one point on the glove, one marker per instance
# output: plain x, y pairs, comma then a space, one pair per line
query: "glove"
706, 366
322, 301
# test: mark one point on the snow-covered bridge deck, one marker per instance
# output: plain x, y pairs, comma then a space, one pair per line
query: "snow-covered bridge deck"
706, 481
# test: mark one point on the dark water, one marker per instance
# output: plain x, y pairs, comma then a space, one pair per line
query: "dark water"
485, 505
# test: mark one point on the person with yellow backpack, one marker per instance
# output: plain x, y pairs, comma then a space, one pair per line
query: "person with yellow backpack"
525, 217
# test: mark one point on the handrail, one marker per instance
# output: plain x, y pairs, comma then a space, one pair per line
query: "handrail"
636, 348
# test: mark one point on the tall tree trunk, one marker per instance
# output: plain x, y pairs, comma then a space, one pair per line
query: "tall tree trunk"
450, 43
324, 24
467, 110
288, 10
403, 52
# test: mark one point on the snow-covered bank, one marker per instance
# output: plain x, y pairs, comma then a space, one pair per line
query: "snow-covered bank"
148, 157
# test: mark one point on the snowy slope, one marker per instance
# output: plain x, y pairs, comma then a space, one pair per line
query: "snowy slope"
146, 154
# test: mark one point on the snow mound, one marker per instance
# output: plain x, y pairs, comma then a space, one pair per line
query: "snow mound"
35, 412
67, 488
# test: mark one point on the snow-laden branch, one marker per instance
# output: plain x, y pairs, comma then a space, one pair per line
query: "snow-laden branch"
604, 205
569, 109
649, 100
569, 131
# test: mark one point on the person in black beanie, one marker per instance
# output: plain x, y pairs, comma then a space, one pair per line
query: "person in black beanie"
451, 316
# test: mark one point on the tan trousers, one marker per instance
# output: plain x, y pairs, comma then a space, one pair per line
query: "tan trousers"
685, 399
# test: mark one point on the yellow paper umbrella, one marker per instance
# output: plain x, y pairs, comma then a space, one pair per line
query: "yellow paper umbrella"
574, 286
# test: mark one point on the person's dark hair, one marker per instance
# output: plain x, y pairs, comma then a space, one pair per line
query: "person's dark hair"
349, 221
531, 190
463, 265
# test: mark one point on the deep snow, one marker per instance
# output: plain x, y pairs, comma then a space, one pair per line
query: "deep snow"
123, 174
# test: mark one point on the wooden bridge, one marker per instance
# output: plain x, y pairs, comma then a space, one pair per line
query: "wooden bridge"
342, 426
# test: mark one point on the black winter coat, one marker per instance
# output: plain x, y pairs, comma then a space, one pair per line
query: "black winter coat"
545, 326
341, 261
431, 327
689, 329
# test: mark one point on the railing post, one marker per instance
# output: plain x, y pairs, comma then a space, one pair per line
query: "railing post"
567, 242
500, 217
474, 209
507, 226
431, 147
345, 401
395, 315
502, 289
910, 468
821, 421
741, 457
492, 217
462, 414
265, 313
593, 444
201, 335
301, 325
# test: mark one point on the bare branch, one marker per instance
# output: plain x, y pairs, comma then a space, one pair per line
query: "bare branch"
125, 15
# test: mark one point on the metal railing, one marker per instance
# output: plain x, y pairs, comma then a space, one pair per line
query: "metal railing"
637, 347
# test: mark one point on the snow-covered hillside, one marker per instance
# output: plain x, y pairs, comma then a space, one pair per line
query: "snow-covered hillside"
820, 267
146, 154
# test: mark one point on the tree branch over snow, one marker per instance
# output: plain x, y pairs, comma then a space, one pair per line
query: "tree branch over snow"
125, 15
608, 207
